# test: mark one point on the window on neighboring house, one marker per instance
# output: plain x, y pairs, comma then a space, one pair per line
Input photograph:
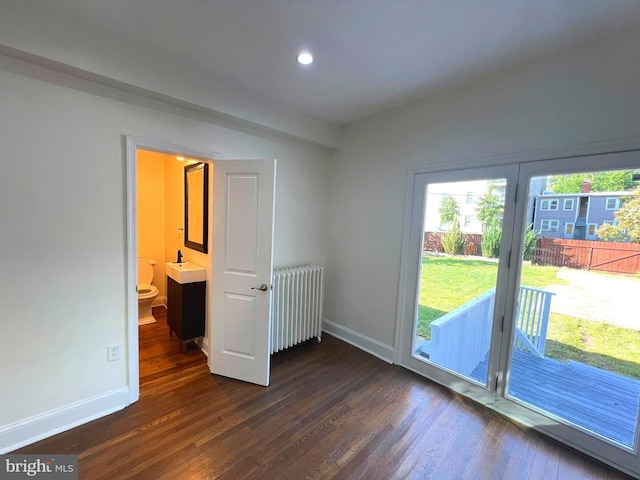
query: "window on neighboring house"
592, 229
568, 204
467, 220
469, 198
568, 229
613, 223
612, 204
550, 225
549, 204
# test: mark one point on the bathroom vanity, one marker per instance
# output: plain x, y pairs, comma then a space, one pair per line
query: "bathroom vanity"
186, 289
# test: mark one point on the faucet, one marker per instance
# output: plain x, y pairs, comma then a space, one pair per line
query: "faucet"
179, 257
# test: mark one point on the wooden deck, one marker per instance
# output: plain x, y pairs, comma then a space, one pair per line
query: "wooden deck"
601, 401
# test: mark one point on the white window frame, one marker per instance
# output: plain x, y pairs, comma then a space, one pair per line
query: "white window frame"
469, 198
617, 202
552, 225
549, 203
571, 201
595, 230
567, 226
468, 220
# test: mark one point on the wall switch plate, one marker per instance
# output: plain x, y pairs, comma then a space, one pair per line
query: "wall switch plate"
114, 352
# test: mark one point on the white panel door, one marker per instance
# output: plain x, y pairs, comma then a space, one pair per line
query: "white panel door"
243, 210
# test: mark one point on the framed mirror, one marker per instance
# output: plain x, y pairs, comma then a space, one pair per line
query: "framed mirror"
196, 210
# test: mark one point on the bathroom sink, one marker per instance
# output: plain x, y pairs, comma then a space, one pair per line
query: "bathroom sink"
186, 272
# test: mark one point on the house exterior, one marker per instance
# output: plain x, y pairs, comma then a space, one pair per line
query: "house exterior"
576, 216
466, 195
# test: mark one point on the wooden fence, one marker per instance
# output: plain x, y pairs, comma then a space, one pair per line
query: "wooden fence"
433, 243
589, 255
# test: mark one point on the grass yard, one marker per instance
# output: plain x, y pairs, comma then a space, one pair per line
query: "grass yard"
601, 345
448, 282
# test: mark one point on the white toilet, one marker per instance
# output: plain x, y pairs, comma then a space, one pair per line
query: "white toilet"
147, 292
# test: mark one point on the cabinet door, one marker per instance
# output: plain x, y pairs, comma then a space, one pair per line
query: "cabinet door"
174, 306
193, 310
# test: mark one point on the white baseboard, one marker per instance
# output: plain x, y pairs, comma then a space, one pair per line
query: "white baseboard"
374, 347
205, 346
44, 425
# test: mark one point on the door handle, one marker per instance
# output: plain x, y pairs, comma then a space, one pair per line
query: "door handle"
262, 288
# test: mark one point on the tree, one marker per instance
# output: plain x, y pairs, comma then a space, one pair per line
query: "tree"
628, 218
613, 181
490, 208
530, 241
491, 238
449, 210
454, 241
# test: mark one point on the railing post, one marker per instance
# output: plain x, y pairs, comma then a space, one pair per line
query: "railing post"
544, 321
532, 320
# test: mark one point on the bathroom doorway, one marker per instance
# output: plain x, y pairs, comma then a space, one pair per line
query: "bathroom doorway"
156, 221
237, 272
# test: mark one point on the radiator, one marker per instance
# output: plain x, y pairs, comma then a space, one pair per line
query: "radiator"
297, 306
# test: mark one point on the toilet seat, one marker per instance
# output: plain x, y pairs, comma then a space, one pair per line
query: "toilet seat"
147, 291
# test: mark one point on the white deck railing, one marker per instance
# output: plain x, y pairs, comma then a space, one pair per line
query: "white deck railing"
532, 320
460, 339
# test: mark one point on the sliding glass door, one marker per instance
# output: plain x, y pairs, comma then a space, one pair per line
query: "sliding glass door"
461, 222
520, 289
577, 327
458, 275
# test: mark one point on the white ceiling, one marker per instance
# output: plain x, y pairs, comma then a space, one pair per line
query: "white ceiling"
371, 55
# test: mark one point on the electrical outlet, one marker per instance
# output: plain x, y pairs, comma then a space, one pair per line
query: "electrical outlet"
114, 352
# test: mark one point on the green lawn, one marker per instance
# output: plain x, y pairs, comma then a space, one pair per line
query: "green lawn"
448, 282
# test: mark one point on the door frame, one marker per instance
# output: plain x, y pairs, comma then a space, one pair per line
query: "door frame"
624, 154
420, 179
133, 144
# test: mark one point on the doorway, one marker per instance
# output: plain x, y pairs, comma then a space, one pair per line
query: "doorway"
238, 271
134, 145
498, 324
162, 228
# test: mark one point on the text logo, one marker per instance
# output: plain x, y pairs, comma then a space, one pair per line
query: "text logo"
52, 467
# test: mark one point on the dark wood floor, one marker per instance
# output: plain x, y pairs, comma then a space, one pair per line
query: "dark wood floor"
332, 411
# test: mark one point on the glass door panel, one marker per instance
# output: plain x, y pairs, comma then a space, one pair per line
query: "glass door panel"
462, 236
575, 354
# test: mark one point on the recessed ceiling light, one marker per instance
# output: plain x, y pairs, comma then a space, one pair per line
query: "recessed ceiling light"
180, 159
304, 58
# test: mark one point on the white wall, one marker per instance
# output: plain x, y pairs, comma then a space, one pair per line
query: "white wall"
151, 215
44, 37
63, 215
578, 97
